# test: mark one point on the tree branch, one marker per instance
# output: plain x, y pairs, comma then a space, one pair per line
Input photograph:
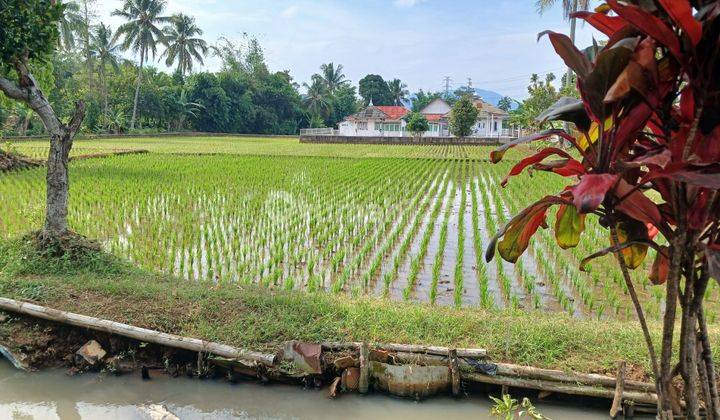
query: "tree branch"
12, 90
74, 125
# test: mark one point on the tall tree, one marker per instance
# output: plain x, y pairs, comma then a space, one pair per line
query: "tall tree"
141, 34
333, 77
463, 116
421, 99
398, 92
505, 103
105, 50
184, 44
29, 35
70, 24
87, 14
317, 101
373, 88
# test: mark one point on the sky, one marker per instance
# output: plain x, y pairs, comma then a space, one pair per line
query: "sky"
493, 42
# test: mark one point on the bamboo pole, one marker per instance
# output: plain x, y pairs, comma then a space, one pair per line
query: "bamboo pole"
407, 348
136, 333
440, 351
571, 389
510, 370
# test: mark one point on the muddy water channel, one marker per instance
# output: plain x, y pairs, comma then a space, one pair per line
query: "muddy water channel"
54, 395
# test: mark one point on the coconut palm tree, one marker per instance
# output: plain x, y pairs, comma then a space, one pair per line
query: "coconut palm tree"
183, 44
569, 7
104, 49
333, 77
317, 100
141, 34
398, 91
70, 24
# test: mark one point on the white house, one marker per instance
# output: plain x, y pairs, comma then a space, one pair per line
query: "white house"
491, 120
375, 121
437, 113
389, 121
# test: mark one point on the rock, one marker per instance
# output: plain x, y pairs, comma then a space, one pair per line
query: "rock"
159, 412
120, 366
91, 353
351, 379
3, 318
345, 362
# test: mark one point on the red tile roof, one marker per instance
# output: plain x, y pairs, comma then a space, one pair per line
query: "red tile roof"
393, 112
434, 117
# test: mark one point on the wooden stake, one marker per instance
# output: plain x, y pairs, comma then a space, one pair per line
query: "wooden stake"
364, 381
617, 404
136, 333
454, 372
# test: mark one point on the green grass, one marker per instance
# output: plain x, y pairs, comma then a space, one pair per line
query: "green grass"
103, 286
276, 146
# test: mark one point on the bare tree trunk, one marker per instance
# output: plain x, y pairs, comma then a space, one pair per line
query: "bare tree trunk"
706, 356
58, 185
688, 341
672, 289
61, 139
137, 88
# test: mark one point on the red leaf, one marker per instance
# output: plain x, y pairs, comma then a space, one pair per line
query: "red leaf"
537, 157
636, 204
563, 167
659, 157
697, 214
707, 148
590, 192
630, 126
649, 24
692, 176
681, 12
602, 22
638, 75
687, 104
661, 267
517, 233
565, 48
497, 154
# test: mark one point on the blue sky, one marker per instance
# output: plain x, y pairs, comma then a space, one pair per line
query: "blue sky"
418, 41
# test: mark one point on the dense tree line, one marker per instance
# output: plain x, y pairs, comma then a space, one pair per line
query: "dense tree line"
123, 95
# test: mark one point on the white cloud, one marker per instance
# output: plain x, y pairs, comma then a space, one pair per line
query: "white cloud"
290, 12
406, 3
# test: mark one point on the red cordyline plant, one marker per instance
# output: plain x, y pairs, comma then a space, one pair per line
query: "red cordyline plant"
648, 120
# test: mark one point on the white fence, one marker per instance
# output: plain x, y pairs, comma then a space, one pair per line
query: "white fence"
318, 132
505, 133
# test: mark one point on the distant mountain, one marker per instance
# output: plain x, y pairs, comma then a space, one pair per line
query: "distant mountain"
492, 97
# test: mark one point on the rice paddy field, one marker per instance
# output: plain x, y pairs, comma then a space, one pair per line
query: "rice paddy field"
397, 222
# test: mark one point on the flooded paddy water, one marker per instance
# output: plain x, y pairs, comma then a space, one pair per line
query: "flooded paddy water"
54, 395
402, 229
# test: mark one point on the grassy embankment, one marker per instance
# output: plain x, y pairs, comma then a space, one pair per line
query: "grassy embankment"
103, 286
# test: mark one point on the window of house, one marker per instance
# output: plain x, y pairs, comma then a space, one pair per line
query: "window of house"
362, 125
391, 127
495, 129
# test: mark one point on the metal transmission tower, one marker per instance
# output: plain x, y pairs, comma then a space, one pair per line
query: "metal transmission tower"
447, 81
